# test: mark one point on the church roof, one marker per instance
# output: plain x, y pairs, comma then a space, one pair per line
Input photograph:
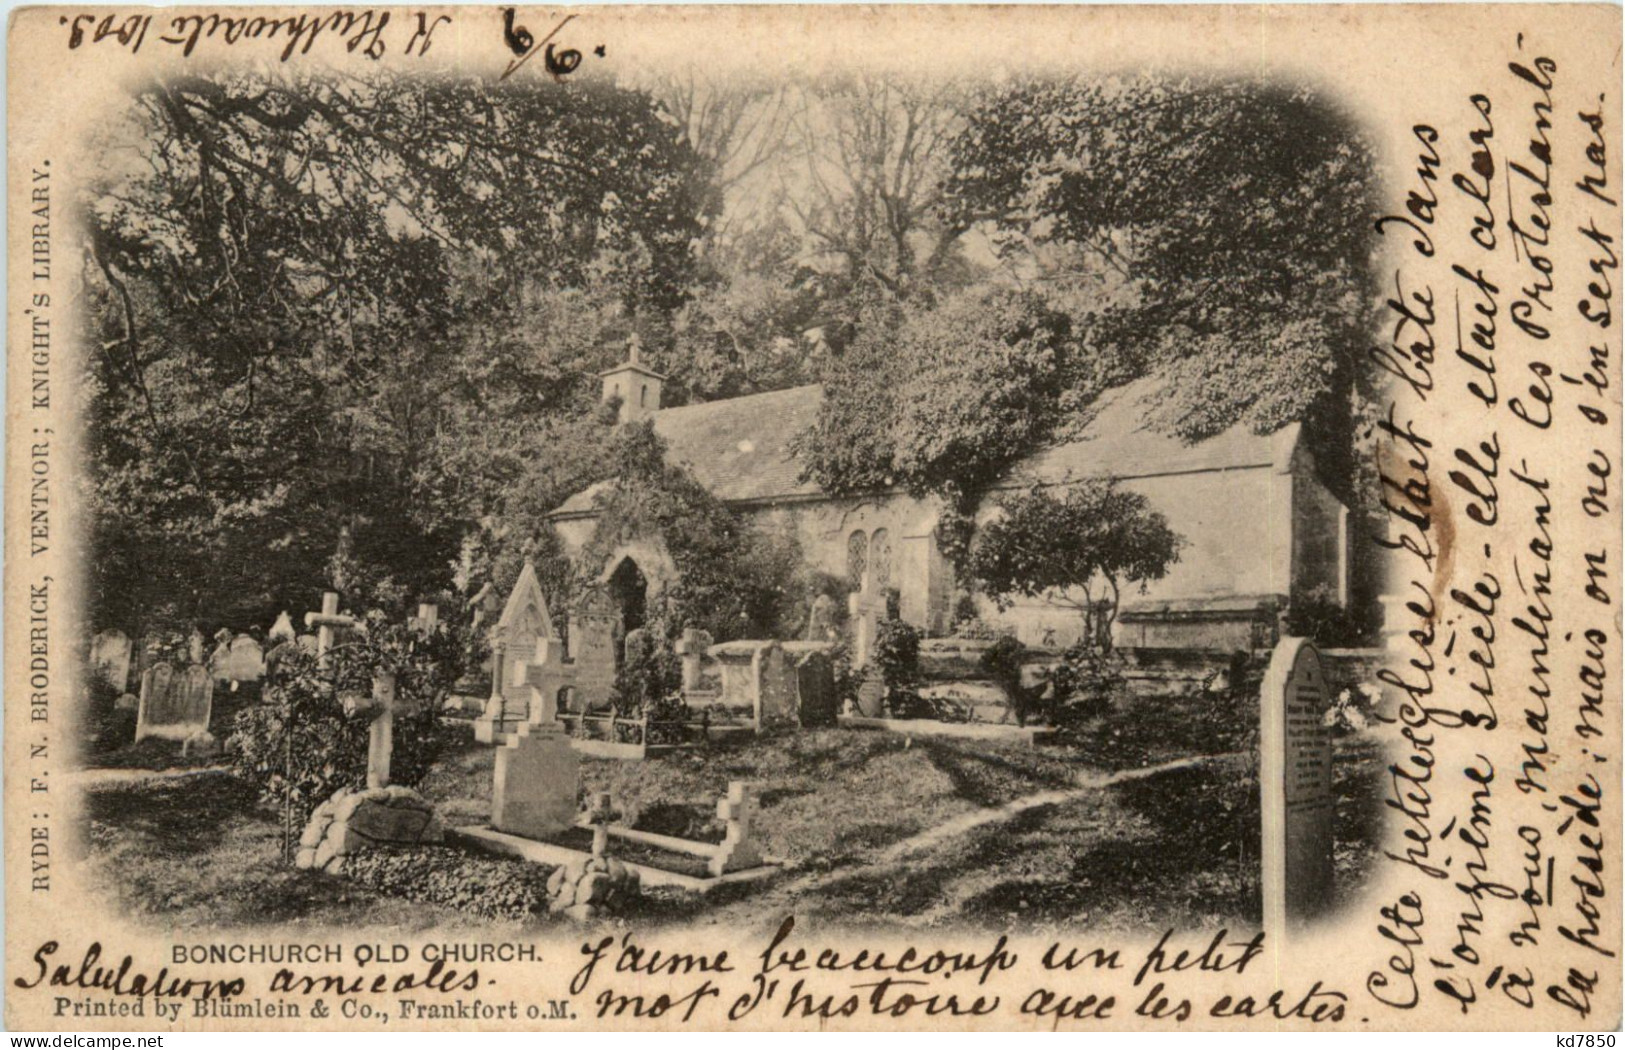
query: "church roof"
740, 448
1118, 441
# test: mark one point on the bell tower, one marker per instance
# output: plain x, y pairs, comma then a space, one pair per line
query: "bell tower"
637, 385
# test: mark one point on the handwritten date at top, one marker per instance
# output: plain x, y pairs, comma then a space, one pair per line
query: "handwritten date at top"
559, 64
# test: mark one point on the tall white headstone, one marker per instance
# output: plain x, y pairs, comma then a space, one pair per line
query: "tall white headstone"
1295, 782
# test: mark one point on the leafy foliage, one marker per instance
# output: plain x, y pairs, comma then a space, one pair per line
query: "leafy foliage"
1221, 230
1216, 234
650, 673
732, 580
486, 887
105, 726
896, 654
1084, 684
367, 302
1320, 615
308, 738
1113, 537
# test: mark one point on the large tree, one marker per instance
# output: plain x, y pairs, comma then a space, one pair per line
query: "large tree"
1217, 231
313, 298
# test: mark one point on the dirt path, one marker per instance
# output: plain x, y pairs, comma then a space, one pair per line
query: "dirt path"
971, 821
95, 778
896, 855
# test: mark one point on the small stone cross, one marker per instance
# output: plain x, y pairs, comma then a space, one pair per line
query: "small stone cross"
598, 815
737, 811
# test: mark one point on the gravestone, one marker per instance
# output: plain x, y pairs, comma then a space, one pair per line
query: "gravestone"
381, 813
110, 654
1295, 784
691, 649
174, 707
815, 690
194, 646
282, 630
757, 675
535, 782
592, 645
821, 619
776, 689
523, 648
866, 609
245, 661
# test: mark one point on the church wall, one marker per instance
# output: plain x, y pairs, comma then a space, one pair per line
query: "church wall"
1320, 541
1240, 543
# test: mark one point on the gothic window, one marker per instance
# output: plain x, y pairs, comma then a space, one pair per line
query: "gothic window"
857, 559
880, 560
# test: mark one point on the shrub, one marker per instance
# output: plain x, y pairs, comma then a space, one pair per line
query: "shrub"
847, 678
308, 738
1002, 662
106, 728
1078, 549
908, 703
650, 672
1319, 616
733, 580
896, 654
1084, 683
487, 887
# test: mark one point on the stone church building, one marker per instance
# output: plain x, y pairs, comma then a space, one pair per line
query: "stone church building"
1259, 527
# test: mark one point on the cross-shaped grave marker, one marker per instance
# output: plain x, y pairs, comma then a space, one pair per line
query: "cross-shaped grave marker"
737, 810
598, 815
381, 732
327, 623
867, 608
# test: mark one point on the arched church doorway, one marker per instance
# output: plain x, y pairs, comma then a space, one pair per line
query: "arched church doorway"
629, 589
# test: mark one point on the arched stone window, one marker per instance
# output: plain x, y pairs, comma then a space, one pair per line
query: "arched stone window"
880, 560
857, 559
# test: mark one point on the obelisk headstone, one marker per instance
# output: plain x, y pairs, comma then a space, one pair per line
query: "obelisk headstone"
1295, 782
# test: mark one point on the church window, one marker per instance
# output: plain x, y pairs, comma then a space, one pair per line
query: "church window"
880, 560
857, 559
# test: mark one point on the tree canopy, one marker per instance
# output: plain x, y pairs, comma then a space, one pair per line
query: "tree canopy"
361, 302
376, 306
1113, 539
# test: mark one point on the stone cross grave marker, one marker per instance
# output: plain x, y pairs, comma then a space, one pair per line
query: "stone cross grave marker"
1295, 784
598, 816
327, 623
867, 607
691, 649
381, 731
174, 707
737, 811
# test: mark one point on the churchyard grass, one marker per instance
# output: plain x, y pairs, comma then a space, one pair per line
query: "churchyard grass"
198, 848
